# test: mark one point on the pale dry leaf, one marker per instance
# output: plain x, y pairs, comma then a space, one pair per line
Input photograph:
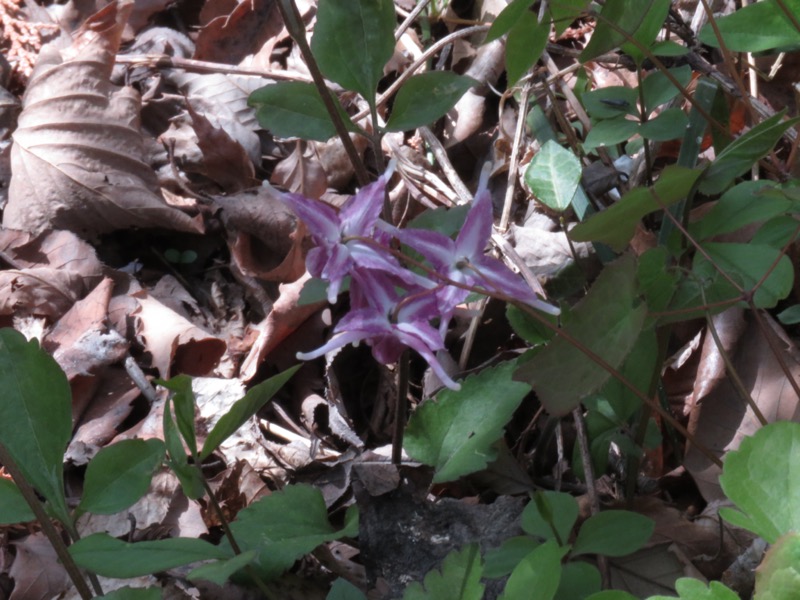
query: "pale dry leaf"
725, 419
77, 159
36, 572
301, 173
39, 291
171, 338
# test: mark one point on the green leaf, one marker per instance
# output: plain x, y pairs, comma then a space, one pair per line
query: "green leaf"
255, 398
612, 595
529, 328
640, 19
448, 221
790, 316
284, 526
119, 475
344, 590
459, 578
755, 28
553, 176
110, 557
748, 263
293, 109
608, 322
35, 416
578, 580
525, 44
564, 12
537, 575
746, 203
352, 41
184, 402
778, 575
616, 225
741, 154
456, 432
611, 102
638, 369
694, 589
548, 514
129, 593
188, 475
759, 479
656, 281
658, 90
220, 571
507, 18
613, 533
15, 508
502, 560
669, 48
609, 132
425, 98
668, 125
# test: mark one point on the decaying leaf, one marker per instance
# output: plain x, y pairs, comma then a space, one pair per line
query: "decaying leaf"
77, 159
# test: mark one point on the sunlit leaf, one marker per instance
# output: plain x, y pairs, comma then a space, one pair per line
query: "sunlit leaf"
459, 578
553, 176
425, 98
755, 28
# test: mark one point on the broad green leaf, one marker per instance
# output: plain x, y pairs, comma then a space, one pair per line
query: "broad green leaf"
564, 12
507, 18
352, 41
528, 328
35, 415
525, 44
578, 580
284, 526
188, 474
129, 593
425, 98
553, 176
611, 102
755, 28
608, 322
609, 132
640, 19
777, 232
668, 125
658, 90
760, 478
616, 225
220, 571
790, 316
344, 590
778, 575
746, 203
119, 475
255, 398
459, 578
537, 575
612, 595
639, 369
744, 152
109, 557
293, 109
501, 561
669, 48
13, 507
549, 513
456, 432
448, 221
613, 533
747, 264
694, 589
184, 402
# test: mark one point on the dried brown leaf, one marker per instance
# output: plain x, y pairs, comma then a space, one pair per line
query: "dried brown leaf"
36, 571
77, 158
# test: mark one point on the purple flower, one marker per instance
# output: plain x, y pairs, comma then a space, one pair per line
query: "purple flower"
464, 260
337, 253
388, 322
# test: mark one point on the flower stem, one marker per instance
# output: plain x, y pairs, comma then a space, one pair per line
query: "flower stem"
401, 402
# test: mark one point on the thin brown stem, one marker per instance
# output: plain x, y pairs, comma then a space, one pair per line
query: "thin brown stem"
294, 24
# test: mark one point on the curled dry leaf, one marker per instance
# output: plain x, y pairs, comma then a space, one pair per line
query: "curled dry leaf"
77, 159
171, 338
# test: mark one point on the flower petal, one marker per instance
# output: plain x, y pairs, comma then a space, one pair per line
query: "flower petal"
337, 341
321, 219
493, 275
424, 351
439, 249
359, 213
473, 237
